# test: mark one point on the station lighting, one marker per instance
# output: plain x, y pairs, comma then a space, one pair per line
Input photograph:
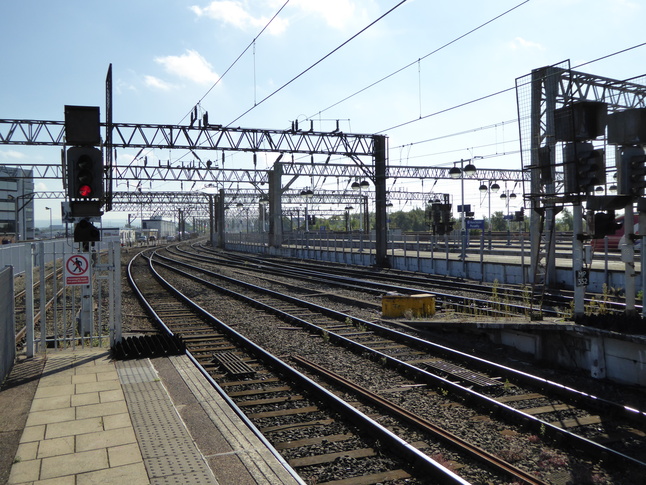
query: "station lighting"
483, 188
455, 173
495, 187
470, 170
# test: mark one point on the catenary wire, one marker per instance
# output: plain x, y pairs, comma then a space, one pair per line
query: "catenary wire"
237, 58
466, 103
318, 62
421, 58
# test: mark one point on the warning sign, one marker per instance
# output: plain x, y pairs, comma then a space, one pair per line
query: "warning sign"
77, 269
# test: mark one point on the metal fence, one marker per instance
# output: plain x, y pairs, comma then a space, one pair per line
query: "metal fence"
65, 311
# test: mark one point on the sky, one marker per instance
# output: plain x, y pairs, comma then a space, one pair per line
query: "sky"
417, 70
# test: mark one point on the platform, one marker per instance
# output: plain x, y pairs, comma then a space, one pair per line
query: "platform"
91, 420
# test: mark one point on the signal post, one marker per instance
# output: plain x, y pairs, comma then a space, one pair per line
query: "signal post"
85, 191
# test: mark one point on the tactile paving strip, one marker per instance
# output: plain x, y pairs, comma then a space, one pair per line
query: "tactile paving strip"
169, 453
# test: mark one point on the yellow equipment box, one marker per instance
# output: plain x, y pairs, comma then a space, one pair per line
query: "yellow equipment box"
422, 305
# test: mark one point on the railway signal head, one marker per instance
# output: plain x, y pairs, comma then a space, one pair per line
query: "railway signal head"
85, 231
84, 173
585, 167
632, 171
605, 224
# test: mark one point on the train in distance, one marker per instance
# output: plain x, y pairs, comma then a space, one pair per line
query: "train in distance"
618, 238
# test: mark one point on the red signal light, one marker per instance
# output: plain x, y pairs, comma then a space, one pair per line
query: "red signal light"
85, 190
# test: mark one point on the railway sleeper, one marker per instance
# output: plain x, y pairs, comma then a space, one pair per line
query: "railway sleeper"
373, 478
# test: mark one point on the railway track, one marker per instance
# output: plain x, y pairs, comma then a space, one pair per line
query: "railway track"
455, 378
19, 301
564, 414
319, 434
377, 282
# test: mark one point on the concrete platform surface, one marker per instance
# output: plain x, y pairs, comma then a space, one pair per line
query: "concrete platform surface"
77, 417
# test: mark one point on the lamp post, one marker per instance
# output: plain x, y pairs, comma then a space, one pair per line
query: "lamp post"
50, 222
308, 194
240, 206
456, 173
356, 185
348, 208
507, 196
494, 187
263, 204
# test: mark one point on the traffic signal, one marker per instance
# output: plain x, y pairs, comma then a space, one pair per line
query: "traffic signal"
585, 167
631, 171
84, 231
84, 173
605, 224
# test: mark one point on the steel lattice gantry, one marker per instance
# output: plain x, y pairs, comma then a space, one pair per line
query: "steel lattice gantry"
539, 95
216, 137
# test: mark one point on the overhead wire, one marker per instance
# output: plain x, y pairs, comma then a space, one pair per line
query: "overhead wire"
422, 58
319, 61
466, 103
251, 44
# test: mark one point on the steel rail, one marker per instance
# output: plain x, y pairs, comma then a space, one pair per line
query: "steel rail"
417, 459
420, 422
413, 456
159, 321
361, 284
510, 413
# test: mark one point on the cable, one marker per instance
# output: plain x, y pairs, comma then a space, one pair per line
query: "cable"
421, 58
319, 61
501, 92
481, 128
237, 59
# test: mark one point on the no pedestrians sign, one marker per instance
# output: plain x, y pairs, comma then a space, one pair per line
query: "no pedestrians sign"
77, 269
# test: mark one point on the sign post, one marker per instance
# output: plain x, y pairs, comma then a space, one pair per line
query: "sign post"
78, 273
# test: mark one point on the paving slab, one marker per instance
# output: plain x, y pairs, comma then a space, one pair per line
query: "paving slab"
76, 417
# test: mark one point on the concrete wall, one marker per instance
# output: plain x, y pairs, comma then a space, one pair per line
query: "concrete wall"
605, 355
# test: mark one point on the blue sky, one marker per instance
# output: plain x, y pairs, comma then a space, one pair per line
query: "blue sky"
167, 55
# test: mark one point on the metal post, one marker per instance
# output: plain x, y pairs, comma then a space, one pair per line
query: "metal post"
29, 299
642, 229
577, 259
628, 256
463, 224
43, 297
489, 192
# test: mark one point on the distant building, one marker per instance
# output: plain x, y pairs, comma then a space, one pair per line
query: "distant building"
16, 203
164, 228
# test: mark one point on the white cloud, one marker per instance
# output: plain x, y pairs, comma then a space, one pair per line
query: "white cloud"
190, 66
522, 44
12, 155
236, 13
154, 82
338, 14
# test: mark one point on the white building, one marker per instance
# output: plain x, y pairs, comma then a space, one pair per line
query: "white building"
16, 203
164, 228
